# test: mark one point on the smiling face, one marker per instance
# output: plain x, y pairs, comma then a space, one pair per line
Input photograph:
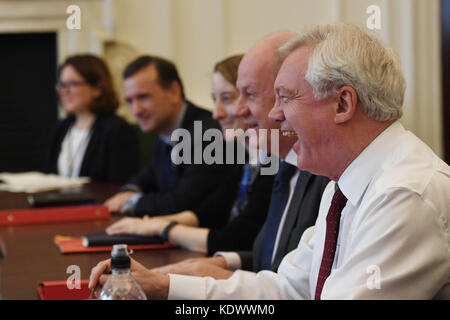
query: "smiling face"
76, 94
255, 84
153, 105
296, 108
225, 96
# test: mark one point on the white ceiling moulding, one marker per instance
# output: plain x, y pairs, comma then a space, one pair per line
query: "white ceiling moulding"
27, 16
22, 9
97, 22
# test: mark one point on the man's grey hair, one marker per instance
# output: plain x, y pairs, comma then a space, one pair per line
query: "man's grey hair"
344, 55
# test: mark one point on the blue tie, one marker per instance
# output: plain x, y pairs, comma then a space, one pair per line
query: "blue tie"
278, 200
241, 199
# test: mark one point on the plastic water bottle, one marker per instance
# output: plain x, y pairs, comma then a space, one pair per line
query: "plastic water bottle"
121, 285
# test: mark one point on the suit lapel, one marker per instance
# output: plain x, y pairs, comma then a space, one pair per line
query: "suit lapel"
188, 120
91, 146
291, 216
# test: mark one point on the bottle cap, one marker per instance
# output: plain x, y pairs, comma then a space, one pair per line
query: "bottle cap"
119, 257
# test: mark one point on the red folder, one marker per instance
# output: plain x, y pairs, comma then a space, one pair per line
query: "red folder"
58, 290
48, 215
75, 245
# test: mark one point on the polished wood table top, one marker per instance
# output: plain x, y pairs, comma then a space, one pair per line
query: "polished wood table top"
31, 255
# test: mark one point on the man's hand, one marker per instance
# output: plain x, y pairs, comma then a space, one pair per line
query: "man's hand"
145, 226
116, 202
215, 267
156, 286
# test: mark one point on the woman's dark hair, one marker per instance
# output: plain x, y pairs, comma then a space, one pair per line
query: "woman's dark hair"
167, 72
96, 73
228, 68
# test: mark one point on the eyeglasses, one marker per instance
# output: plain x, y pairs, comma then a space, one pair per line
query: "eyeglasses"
72, 84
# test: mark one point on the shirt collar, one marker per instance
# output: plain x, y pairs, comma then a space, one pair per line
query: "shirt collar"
357, 176
253, 156
177, 124
291, 158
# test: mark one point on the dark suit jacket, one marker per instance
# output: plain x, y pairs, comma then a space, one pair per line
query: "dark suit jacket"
214, 212
193, 182
240, 232
302, 213
112, 154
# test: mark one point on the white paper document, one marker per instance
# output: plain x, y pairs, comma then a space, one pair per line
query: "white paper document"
31, 182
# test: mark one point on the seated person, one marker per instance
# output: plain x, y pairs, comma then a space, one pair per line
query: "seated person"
92, 141
302, 206
300, 213
154, 91
226, 220
382, 229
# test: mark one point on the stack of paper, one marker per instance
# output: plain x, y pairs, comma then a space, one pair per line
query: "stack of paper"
37, 182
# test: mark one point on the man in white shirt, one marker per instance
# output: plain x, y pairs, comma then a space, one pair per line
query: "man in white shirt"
342, 91
300, 212
256, 78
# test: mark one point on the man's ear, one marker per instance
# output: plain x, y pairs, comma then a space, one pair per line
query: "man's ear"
175, 92
347, 100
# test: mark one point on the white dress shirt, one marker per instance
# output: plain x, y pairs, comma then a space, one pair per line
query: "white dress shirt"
393, 242
233, 259
72, 152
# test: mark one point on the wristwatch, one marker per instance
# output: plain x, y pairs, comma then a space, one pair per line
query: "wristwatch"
165, 232
130, 204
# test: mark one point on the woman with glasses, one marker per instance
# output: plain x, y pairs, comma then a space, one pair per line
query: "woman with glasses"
92, 141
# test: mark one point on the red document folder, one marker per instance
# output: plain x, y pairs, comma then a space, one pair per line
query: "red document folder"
75, 245
48, 215
58, 290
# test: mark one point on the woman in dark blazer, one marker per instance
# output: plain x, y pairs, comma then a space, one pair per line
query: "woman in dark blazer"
92, 141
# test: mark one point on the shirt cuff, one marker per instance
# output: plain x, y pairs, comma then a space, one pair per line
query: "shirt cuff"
130, 187
232, 259
129, 206
183, 287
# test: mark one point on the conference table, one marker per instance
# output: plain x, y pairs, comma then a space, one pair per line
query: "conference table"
32, 257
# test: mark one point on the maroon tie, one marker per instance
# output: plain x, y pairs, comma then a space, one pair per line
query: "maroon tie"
333, 220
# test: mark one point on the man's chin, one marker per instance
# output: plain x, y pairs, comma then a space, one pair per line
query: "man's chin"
296, 147
146, 127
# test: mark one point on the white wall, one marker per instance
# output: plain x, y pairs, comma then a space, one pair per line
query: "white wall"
197, 33
146, 24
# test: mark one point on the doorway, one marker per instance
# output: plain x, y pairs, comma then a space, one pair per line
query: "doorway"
28, 102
